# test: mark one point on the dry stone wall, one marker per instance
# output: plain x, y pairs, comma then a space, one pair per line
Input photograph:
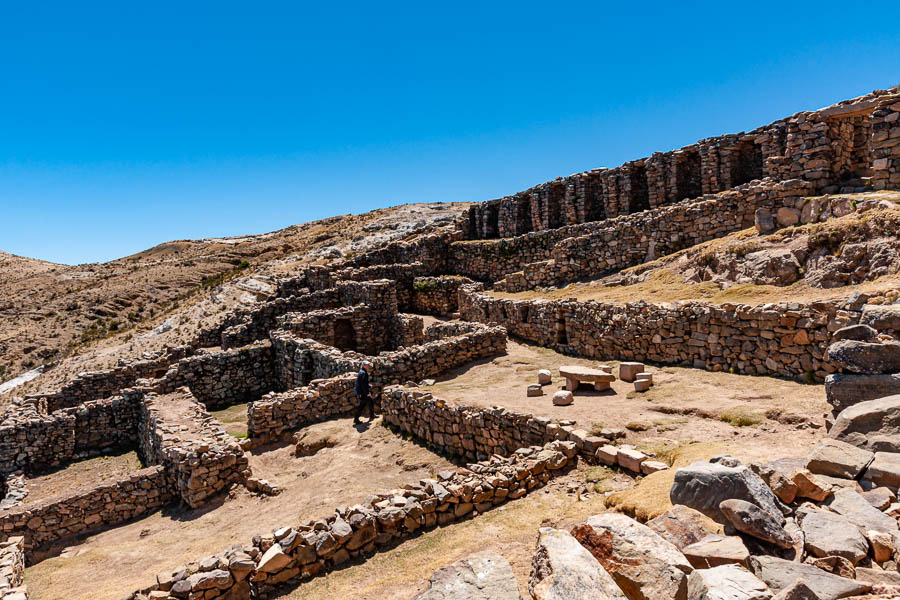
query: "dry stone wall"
12, 569
886, 145
437, 295
249, 325
106, 504
787, 340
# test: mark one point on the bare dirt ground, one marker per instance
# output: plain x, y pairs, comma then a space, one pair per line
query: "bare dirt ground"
88, 316
130, 556
82, 475
653, 420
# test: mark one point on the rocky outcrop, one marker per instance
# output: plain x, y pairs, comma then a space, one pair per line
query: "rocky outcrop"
705, 485
562, 569
480, 576
726, 582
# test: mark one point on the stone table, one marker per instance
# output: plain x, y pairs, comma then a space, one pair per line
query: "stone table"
576, 374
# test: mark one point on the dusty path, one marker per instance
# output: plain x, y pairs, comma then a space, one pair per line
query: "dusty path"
112, 563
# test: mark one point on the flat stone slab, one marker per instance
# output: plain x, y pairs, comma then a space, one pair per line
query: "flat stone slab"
715, 551
481, 576
778, 574
576, 374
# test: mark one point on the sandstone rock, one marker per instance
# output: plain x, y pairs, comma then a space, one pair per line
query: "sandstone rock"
480, 576
836, 565
787, 216
727, 582
608, 455
843, 390
764, 221
865, 357
752, 520
883, 317
811, 486
630, 459
884, 545
784, 488
884, 470
644, 565
860, 333
563, 398
273, 560
798, 590
873, 425
545, 377
828, 534
778, 574
645, 375
629, 370
562, 569
653, 466
716, 550
683, 526
877, 576
534, 390
776, 266
576, 374
703, 486
838, 459
880, 497
855, 509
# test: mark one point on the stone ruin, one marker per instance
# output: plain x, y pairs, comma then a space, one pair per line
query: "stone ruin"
792, 529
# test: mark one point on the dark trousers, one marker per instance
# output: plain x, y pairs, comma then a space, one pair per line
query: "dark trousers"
363, 401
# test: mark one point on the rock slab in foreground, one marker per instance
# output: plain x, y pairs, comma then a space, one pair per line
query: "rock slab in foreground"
644, 565
873, 425
683, 526
779, 574
728, 582
563, 569
704, 485
481, 576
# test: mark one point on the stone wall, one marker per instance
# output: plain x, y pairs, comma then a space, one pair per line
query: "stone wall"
320, 277
787, 340
439, 331
437, 295
886, 145
35, 441
831, 148
12, 569
200, 458
106, 504
294, 553
360, 328
249, 325
221, 379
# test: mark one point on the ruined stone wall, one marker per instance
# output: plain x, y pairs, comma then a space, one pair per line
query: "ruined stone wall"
35, 441
248, 326
635, 239
787, 340
429, 250
224, 378
359, 328
437, 295
12, 568
294, 553
439, 331
320, 277
409, 330
107, 504
829, 148
201, 459
885, 145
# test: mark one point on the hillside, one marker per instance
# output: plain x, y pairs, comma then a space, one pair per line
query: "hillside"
50, 312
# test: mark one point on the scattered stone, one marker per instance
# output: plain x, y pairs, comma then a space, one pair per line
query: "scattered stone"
643, 564
716, 550
563, 569
884, 470
641, 385
630, 459
653, 466
811, 486
563, 398
544, 377
308, 443
855, 509
480, 576
726, 582
798, 590
880, 497
683, 526
884, 545
838, 459
534, 390
778, 574
830, 534
752, 520
645, 375
873, 425
784, 488
704, 485
628, 370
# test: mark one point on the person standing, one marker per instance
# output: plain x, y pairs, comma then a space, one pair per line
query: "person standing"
363, 393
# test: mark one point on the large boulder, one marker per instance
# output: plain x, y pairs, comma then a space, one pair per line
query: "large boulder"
838, 459
481, 576
728, 582
754, 521
778, 574
562, 569
865, 357
860, 333
843, 390
881, 317
683, 526
830, 534
873, 425
644, 565
704, 485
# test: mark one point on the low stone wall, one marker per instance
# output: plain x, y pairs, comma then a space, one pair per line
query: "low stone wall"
34, 441
634, 239
199, 456
276, 414
224, 378
107, 504
409, 329
95, 385
247, 326
360, 328
12, 569
440, 331
437, 295
14, 490
320, 277
295, 553
787, 340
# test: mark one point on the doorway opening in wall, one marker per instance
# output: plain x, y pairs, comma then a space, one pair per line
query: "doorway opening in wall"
688, 181
344, 335
747, 163
562, 338
640, 193
491, 222
555, 196
523, 214
594, 209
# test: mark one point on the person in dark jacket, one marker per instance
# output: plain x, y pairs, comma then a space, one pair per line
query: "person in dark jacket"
363, 393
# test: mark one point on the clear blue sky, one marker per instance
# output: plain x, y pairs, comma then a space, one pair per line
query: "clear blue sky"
126, 124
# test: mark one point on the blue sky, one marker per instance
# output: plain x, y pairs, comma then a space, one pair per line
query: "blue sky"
125, 126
